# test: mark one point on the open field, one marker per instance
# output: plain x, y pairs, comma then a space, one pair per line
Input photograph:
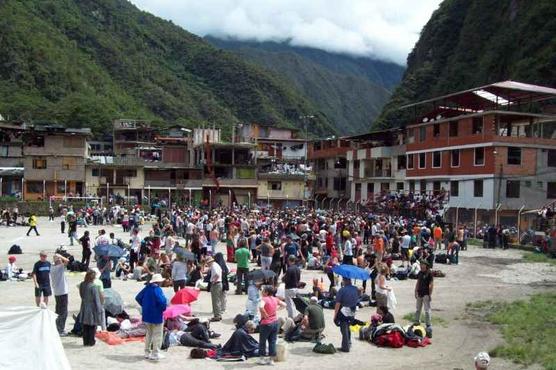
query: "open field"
483, 274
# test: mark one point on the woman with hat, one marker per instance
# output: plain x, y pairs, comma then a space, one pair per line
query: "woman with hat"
153, 304
91, 310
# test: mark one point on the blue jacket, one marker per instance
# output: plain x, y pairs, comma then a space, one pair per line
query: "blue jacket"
153, 303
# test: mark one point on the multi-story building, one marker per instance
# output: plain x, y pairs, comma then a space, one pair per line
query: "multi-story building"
229, 169
328, 158
376, 164
152, 164
282, 169
488, 148
11, 157
54, 161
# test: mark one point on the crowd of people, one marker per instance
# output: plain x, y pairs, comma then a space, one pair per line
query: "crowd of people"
266, 252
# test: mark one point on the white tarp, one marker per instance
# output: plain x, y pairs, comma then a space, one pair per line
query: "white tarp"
29, 340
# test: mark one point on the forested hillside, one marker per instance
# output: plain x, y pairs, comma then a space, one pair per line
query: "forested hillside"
473, 43
86, 62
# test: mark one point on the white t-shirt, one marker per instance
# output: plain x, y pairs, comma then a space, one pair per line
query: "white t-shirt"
406, 240
348, 248
59, 279
190, 228
102, 240
215, 273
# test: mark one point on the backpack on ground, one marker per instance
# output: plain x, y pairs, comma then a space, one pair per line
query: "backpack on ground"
327, 349
15, 249
441, 258
393, 339
401, 274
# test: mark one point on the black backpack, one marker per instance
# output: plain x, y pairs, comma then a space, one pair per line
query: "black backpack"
15, 249
441, 258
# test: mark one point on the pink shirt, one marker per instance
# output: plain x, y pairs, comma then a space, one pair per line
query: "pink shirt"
269, 304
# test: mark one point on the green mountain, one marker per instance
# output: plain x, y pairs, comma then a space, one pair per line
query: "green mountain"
472, 43
350, 91
83, 63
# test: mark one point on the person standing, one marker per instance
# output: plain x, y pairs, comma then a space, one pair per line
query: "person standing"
51, 214
437, 235
32, 224
266, 251
153, 304
291, 280
268, 328
91, 310
104, 264
423, 292
135, 249
60, 290
216, 291
344, 311
41, 278
179, 273
242, 259
72, 228
405, 244
378, 246
348, 249
85, 241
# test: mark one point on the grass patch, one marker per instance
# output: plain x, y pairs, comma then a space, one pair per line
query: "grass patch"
528, 327
534, 257
436, 320
475, 242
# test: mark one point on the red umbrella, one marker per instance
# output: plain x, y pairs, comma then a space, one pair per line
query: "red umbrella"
176, 310
185, 295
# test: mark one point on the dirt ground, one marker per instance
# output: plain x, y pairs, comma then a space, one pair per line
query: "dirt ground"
481, 275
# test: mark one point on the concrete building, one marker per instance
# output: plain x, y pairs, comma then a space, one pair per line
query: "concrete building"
376, 164
11, 158
54, 161
487, 149
328, 159
282, 170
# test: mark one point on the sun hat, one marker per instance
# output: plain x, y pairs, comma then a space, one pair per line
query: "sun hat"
482, 359
157, 278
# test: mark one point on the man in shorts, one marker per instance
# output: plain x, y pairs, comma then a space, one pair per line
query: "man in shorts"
41, 278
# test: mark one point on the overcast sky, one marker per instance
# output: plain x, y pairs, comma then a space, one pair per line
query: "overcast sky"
384, 29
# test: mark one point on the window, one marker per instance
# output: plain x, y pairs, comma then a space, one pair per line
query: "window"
514, 155
454, 154
478, 188
454, 188
61, 187
551, 161
454, 128
339, 184
357, 188
477, 125
551, 190
370, 188
4, 150
422, 133
412, 186
436, 159
73, 142
39, 163
423, 185
422, 160
36, 141
275, 185
479, 156
384, 187
340, 163
95, 172
68, 163
399, 186
512, 189
129, 173
402, 162
436, 186
356, 164
34, 187
436, 130
410, 161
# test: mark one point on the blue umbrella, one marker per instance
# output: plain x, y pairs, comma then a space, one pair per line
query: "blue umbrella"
109, 250
351, 272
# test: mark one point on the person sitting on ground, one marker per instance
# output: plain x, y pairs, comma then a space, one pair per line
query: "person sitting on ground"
122, 269
11, 269
193, 272
241, 343
387, 317
312, 323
